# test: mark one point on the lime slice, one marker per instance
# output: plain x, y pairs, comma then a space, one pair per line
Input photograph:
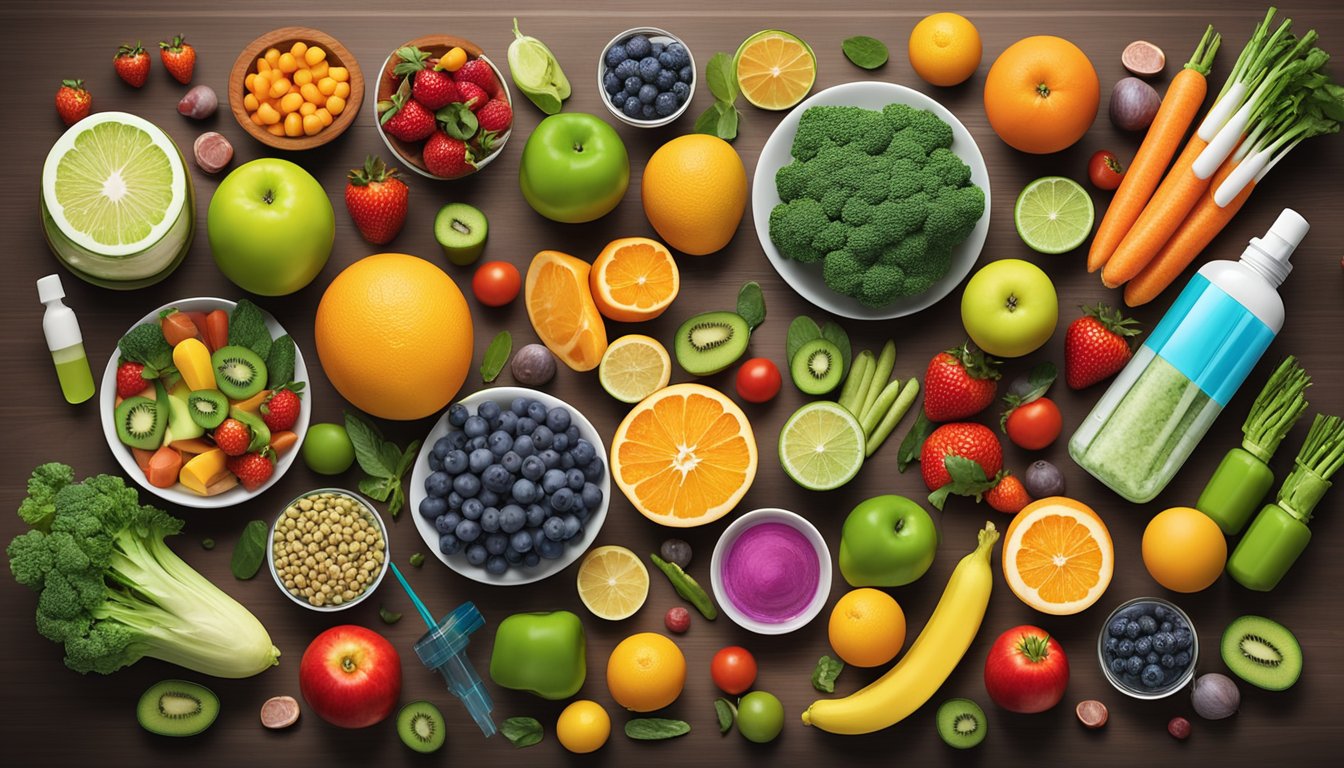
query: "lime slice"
536, 72
634, 367
821, 446
1053, 214
114, 184
775, 69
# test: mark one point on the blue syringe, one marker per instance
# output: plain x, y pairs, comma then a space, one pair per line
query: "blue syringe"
444, 649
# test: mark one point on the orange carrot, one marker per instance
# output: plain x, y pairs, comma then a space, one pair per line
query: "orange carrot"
1184, 97
163, 467
1195, 233
283, 441
142, 458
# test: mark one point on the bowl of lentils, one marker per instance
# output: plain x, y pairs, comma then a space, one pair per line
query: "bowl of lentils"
328, 549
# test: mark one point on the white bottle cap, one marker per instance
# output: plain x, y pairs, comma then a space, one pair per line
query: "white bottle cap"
1269, 254
49, 288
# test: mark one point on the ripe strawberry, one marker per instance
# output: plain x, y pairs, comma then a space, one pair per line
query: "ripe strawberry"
405, 118
130, 382
253, 469
232, 436
959, 383
478, 73
446, 157
1097, 346
377, 200
433, 88
972, 441
132, 64
179, 58
495, 116
473, 95
73, 103
281, 409
1008, 495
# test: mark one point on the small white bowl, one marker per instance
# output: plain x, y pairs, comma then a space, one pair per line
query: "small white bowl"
730, 536
655, 35
372, 513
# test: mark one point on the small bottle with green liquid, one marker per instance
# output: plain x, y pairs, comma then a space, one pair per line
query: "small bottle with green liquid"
66, 343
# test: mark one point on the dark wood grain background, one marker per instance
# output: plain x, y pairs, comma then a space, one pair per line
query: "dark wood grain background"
50, 715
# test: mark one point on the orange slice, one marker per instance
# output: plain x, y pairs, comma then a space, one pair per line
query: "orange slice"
562, 310
684, 456
1057, 556
634, 279
775, 69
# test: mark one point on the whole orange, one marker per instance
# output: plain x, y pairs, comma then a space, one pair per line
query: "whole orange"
867, 627
1184, 549
394, 336
1041, 94
646, 672
945, 49
695, 191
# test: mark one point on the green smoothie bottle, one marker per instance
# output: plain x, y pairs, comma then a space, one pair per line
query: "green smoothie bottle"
64, 341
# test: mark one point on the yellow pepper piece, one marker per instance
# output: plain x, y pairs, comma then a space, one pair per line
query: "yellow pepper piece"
192, 359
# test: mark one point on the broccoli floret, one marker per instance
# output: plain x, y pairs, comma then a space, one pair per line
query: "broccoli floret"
881, 284
954, 214
832, 237
794, 225
843, 272
856, 212
929, 130
948, 168
791, 181
861, 129
866, 242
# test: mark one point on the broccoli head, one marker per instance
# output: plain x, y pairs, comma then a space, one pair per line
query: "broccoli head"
861, 129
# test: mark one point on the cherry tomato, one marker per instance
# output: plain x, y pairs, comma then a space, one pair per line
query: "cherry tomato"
496, 283
758, 380
1035, 425
733, 669
1105, 170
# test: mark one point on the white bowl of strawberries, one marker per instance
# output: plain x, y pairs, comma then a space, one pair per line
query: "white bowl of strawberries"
443, 108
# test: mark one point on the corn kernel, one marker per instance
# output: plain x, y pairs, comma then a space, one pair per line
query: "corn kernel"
268, 114
335, 104
314, 55
276, 130
287, 63
307, 108
312, 124
339, 74
302, 77
324, 116
293, 125
290, 102
326, 86
342, 90
279, 88
298, 49
251, 102
272, 56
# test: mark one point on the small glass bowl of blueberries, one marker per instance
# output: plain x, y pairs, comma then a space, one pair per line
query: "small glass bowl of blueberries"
1148, 648
647, 77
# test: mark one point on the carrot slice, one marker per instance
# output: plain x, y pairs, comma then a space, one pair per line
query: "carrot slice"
141, 456
163, 467
217, 329
283, 441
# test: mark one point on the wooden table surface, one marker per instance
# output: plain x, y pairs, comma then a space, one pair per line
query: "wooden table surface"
54, 716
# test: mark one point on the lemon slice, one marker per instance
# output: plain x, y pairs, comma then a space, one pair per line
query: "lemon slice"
613, 583
634, 367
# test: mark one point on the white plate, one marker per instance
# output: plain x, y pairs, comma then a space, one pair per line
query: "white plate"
516, 574
806, 278
107, 395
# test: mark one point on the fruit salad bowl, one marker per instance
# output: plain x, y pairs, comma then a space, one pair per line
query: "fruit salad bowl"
483, 126
178, 493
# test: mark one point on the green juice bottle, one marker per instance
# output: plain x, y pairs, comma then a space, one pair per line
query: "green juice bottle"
61, 328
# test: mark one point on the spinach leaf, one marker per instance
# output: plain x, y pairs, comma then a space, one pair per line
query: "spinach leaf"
522, 731
368, 442
865, 52
249, 551
751, 304
280, 362
496, 355
656, 728
247, 328
833, 333
802, 330
726, 713
721, 76
914, 441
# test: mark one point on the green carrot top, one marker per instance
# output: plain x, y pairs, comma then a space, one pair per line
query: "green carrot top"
1321, 456
1276, 409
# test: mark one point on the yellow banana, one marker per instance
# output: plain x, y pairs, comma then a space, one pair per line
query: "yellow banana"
936, 652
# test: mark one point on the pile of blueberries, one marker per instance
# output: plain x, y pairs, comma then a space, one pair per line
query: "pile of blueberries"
647, 80
1147, 646
511, 486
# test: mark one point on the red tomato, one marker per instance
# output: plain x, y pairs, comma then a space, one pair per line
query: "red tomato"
1026, 671
1035, 425
733, 669
1105, 170
496, 283
758, 380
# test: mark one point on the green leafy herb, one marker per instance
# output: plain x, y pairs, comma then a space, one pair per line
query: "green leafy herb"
496, 355
249, 551
656, 728
726, 713
522, 731
1038, 383
382, 461
687, 587
968, 479
914, 441
388, 617
207, 543
832, 332
247, 328
458, 121
280, 362
722, 117
721, 77
719, 120
751, 304
865, 52
827, 670
145, 344
418, 559
1276, 409
802, 330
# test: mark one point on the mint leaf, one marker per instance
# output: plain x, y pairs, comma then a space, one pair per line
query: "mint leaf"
865, 52
968, 479
250, 550
827, 670
496, 355
726, 712
726, 128
751, 304
368, 443
521, 731
458, 121
721, 77
1038, 383
656, 728
914, 441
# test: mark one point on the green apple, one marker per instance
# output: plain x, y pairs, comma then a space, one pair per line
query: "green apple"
1009, 308
542, 653
887, 541
574, 168
271, 227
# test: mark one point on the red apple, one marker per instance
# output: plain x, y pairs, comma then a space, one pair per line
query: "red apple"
351, 676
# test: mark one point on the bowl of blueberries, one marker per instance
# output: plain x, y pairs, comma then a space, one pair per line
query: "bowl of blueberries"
511, 486
1148, 648
648, 76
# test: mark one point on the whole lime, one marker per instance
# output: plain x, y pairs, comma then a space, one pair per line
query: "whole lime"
760, 717
327, 449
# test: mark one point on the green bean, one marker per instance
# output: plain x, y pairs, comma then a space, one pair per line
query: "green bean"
881, 372
893, 416
687, 587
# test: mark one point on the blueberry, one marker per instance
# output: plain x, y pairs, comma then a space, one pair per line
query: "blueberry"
523, 445
648, 69
455, 462
562, 500
551, 549
449, 544
521, 542
552, 481
647, 93
1110, 645
592, 496
457, 440
457, 414
467, 485
496, 543
623, 71
476, 554
1182, 659
496, 565
656, 48
447, 523
472, 508
1168, 661
1160, 612
536, 515
474, 443
497, 478
468, 530
501, 442
637, 46
519, 404
1152, 657
574, 479
438, 484
595, 470
538, 536
513, 556
489, 410
512, 518
686, 74
667, 60
1164, 642
1132, 629
508, 421
666, 104
490, 520
1134, 665
549, 458
542, 437
525, 491
1147, 625
572, 526
615, 55
1152, 676
454, 500
583, 451
554, 528
648, 112
476, 426
611, 84
632, 85
1117, 666
1125, 649
536, 411
511, 462
631, 107
561, 443
526, 426
435, 463
558, 419
1165, 626
1143, 646
488, 497
531, 559
441, 447
681, 56
479, 459
432, 506
572, 432
566, 461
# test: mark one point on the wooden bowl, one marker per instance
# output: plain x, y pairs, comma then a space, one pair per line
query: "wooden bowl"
409, 152
284, 38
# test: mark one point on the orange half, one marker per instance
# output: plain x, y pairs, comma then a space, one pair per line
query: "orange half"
562, 310
775, 69
1057, 556
634, 279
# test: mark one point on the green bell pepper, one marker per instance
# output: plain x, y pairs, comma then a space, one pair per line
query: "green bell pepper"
542, 653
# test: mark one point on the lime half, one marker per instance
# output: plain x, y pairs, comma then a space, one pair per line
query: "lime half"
1053, 214
821, 446
114, 184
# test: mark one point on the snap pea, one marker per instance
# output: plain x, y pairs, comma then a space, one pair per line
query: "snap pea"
886, 361
687, 587
892, 417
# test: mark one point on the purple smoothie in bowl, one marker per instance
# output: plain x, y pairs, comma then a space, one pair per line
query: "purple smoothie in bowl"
771, 571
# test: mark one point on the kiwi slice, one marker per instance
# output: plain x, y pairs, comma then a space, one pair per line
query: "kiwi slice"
961, 723
461, 230
710, 342
816, 367
420, 726
177, 708
1262, 652
239, 372
140, 422
208, 407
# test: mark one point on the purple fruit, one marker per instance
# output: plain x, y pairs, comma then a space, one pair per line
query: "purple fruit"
1134, 104
1043, 479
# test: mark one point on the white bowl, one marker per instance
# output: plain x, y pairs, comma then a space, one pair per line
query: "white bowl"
806, 279
177, 494
516, 574
725, 543
655, 35
372, 513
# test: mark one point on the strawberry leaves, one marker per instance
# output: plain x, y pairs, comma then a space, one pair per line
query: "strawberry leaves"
458, 121
1038, 383
968, 479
